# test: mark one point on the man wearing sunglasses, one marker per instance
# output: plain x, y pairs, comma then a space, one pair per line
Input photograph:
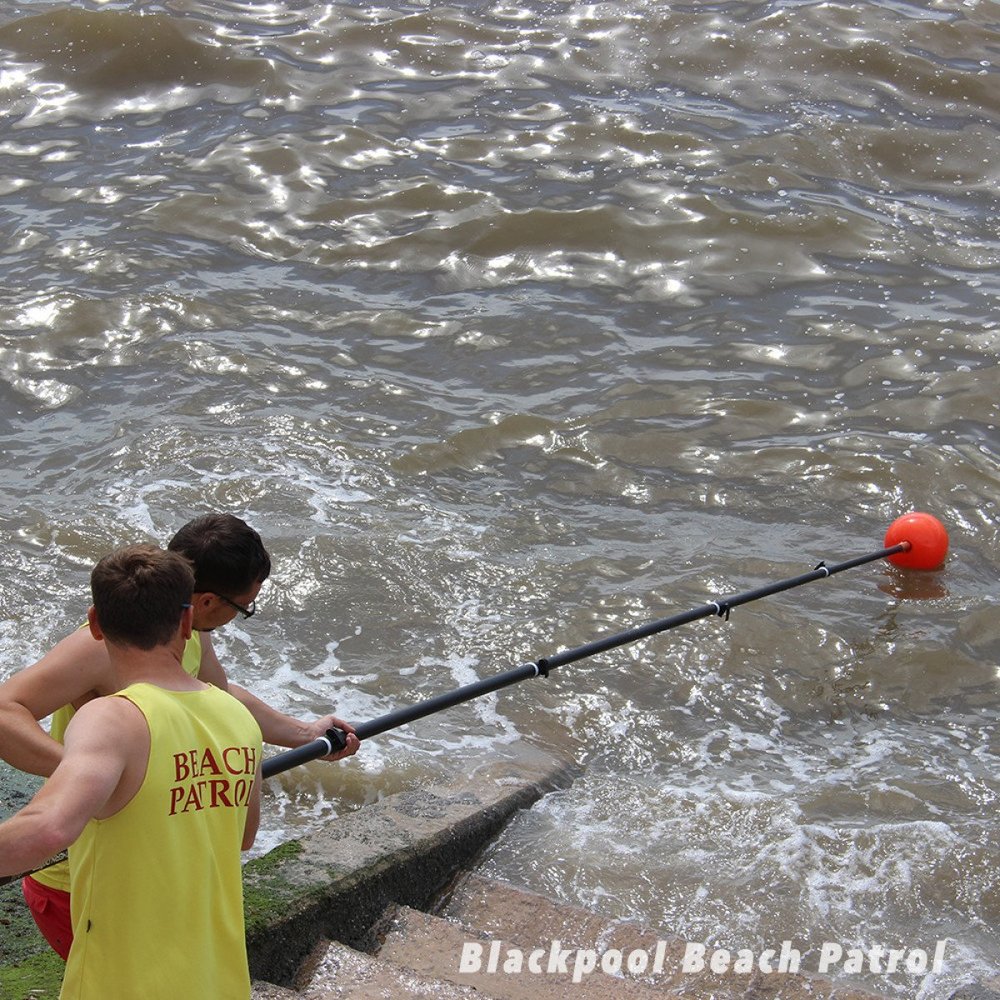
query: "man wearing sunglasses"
156, 794
230, 565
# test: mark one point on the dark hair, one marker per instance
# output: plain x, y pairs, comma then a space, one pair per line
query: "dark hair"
139, 593
228, 555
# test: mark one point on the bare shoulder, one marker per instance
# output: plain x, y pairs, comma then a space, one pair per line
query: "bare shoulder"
111, 721
75, 669
82, 652
107, 751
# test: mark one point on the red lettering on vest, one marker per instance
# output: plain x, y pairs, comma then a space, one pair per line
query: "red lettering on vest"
240, 760
192, 793
183, 765
208, 763
220, 793
176, 794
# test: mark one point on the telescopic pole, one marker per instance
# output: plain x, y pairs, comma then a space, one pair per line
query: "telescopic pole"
334, 741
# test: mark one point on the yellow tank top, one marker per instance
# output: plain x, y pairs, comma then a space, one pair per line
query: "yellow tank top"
157, 894
57, 876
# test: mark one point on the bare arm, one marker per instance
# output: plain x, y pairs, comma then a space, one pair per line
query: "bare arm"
277, 728
285, 731
74, 671
107, 744
210, 671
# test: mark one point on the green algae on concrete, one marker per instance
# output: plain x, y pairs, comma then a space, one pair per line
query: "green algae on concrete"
267, 895
29, 969
19, 938
37, 978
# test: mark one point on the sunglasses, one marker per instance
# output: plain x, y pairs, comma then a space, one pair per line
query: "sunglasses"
247, 612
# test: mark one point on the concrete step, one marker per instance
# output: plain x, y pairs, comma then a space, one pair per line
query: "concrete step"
268, 991
335, 883
520, 919
341, 973
493, 941
434, 948
525, 919
496, 942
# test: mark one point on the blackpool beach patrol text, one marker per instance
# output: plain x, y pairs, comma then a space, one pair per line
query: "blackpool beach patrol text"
493, 958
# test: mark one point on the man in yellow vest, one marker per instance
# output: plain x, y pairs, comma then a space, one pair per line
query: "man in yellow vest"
230, 564
157, 790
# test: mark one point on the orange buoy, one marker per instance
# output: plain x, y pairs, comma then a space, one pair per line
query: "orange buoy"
926, 537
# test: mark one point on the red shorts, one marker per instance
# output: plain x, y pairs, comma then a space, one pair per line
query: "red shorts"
50, 908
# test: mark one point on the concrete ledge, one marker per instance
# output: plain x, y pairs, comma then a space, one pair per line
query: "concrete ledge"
336, 883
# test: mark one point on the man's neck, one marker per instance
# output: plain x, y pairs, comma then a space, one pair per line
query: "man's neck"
160, 666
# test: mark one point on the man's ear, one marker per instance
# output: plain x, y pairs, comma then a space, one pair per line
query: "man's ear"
203, 599
95, 625
187, 622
